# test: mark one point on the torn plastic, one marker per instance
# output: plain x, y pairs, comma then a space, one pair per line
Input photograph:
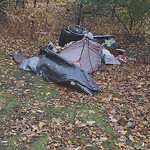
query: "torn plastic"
49, 47
18, 57
114, 48
29, 64
54, 68
109, 42
109, 58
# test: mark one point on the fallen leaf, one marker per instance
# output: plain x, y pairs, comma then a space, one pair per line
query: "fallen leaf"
120, 145
91, 112
41, 124
56, 120
33, 111
48, 93
131, 138
123, 132
90, 122
35, 127
78, 123
102, 139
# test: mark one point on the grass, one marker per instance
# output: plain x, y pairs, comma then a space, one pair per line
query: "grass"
11, 107
43, 92
39, 144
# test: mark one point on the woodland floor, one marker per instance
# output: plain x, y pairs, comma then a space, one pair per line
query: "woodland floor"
38, 115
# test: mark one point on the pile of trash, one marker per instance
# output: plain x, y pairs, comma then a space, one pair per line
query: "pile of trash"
81, 54
110, 49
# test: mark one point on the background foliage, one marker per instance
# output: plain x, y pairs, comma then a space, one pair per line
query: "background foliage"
132, 15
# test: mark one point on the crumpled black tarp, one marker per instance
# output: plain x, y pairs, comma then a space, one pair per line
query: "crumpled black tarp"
54, 68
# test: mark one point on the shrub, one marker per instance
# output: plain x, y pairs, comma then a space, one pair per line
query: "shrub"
131, 14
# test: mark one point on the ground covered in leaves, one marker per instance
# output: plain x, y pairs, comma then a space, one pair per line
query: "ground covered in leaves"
35, 114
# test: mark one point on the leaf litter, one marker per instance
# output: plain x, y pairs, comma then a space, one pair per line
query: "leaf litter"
31, 108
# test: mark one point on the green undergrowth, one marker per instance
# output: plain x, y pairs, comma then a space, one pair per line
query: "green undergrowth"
82, 112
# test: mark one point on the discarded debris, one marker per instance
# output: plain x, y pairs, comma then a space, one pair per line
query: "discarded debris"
53, 67
85, 53
82, 55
